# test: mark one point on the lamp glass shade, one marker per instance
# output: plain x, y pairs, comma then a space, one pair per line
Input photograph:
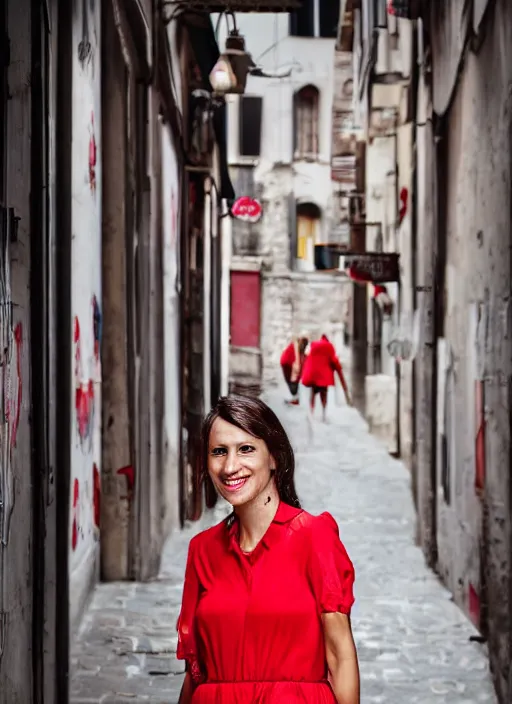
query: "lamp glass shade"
222, 77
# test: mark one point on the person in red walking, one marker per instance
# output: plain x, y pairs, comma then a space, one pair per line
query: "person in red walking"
318, 372
265, 615
292, 362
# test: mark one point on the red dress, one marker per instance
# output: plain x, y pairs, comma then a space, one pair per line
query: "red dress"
250, 626
288, 360
320, 365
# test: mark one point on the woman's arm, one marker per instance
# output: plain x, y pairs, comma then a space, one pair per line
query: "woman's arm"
339, 369
187, 690
341, 658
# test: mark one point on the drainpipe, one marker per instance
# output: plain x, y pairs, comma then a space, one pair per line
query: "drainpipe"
215, 302
207, 290
399, 291
225, 296
63, 344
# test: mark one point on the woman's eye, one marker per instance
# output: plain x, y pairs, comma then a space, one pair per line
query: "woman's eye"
246, 448
217, 451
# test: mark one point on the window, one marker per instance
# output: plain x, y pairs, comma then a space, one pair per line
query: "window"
329, 18
249, 125
245, 115
308, 232
316, 18
306, 103
302, 22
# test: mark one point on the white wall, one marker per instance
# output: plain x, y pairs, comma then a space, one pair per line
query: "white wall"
86, 284
171, 220
312, 60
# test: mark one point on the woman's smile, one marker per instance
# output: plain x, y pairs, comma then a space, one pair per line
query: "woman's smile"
234, 484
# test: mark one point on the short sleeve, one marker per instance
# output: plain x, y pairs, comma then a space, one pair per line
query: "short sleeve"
187, 643
331, 571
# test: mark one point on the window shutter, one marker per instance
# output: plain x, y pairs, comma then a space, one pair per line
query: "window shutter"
292, 229
329, 18
295, 125
302, 22
250, 114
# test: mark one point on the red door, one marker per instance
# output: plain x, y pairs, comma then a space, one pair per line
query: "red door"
245, 308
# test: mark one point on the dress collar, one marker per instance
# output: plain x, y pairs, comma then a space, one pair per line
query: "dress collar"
284, 514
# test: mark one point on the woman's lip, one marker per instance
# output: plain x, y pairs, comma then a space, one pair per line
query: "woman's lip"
235, 487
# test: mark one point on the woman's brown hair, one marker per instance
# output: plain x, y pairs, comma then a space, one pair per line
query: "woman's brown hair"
256, 418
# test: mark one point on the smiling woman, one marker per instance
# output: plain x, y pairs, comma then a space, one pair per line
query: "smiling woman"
243, 438
268, 593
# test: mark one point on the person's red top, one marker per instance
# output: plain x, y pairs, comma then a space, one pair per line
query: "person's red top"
250, 626
321, 364
288, 356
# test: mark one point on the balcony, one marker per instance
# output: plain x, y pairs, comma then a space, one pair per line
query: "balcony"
245, 5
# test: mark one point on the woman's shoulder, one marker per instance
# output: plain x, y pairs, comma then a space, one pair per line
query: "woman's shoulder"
210, 536
324, 540
322, 524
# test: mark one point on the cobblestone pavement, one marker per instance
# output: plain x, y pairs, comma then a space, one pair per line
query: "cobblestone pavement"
414, 644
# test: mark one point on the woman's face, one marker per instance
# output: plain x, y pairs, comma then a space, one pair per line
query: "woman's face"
239, 464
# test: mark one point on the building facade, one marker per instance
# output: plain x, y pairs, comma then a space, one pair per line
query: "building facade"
380, 45
425, 77
283, 279
114, 173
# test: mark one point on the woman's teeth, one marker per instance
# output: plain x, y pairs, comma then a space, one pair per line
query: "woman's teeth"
234, 484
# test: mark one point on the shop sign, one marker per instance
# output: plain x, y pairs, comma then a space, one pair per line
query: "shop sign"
374, 267
247, 209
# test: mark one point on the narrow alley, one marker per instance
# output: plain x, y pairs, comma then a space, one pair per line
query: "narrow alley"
415, 645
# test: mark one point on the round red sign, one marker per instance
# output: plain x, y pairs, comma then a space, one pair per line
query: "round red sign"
247, 209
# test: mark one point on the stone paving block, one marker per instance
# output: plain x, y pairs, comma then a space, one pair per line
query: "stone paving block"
413, 642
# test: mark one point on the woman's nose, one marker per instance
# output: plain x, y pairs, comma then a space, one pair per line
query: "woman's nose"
231, 465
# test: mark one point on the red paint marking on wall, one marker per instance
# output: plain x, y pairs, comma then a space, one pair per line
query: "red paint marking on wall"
84, 392
76, 526
84, 407
404, 196
78, 353
96, 484
474, 605
129, 473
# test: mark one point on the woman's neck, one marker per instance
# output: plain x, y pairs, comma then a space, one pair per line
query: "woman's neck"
256, 516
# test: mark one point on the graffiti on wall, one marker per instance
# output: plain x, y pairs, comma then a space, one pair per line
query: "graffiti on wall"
11, 347
86, 46
84, 394
85, 413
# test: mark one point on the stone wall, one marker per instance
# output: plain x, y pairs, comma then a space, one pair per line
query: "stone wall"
316, 303
474, 527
